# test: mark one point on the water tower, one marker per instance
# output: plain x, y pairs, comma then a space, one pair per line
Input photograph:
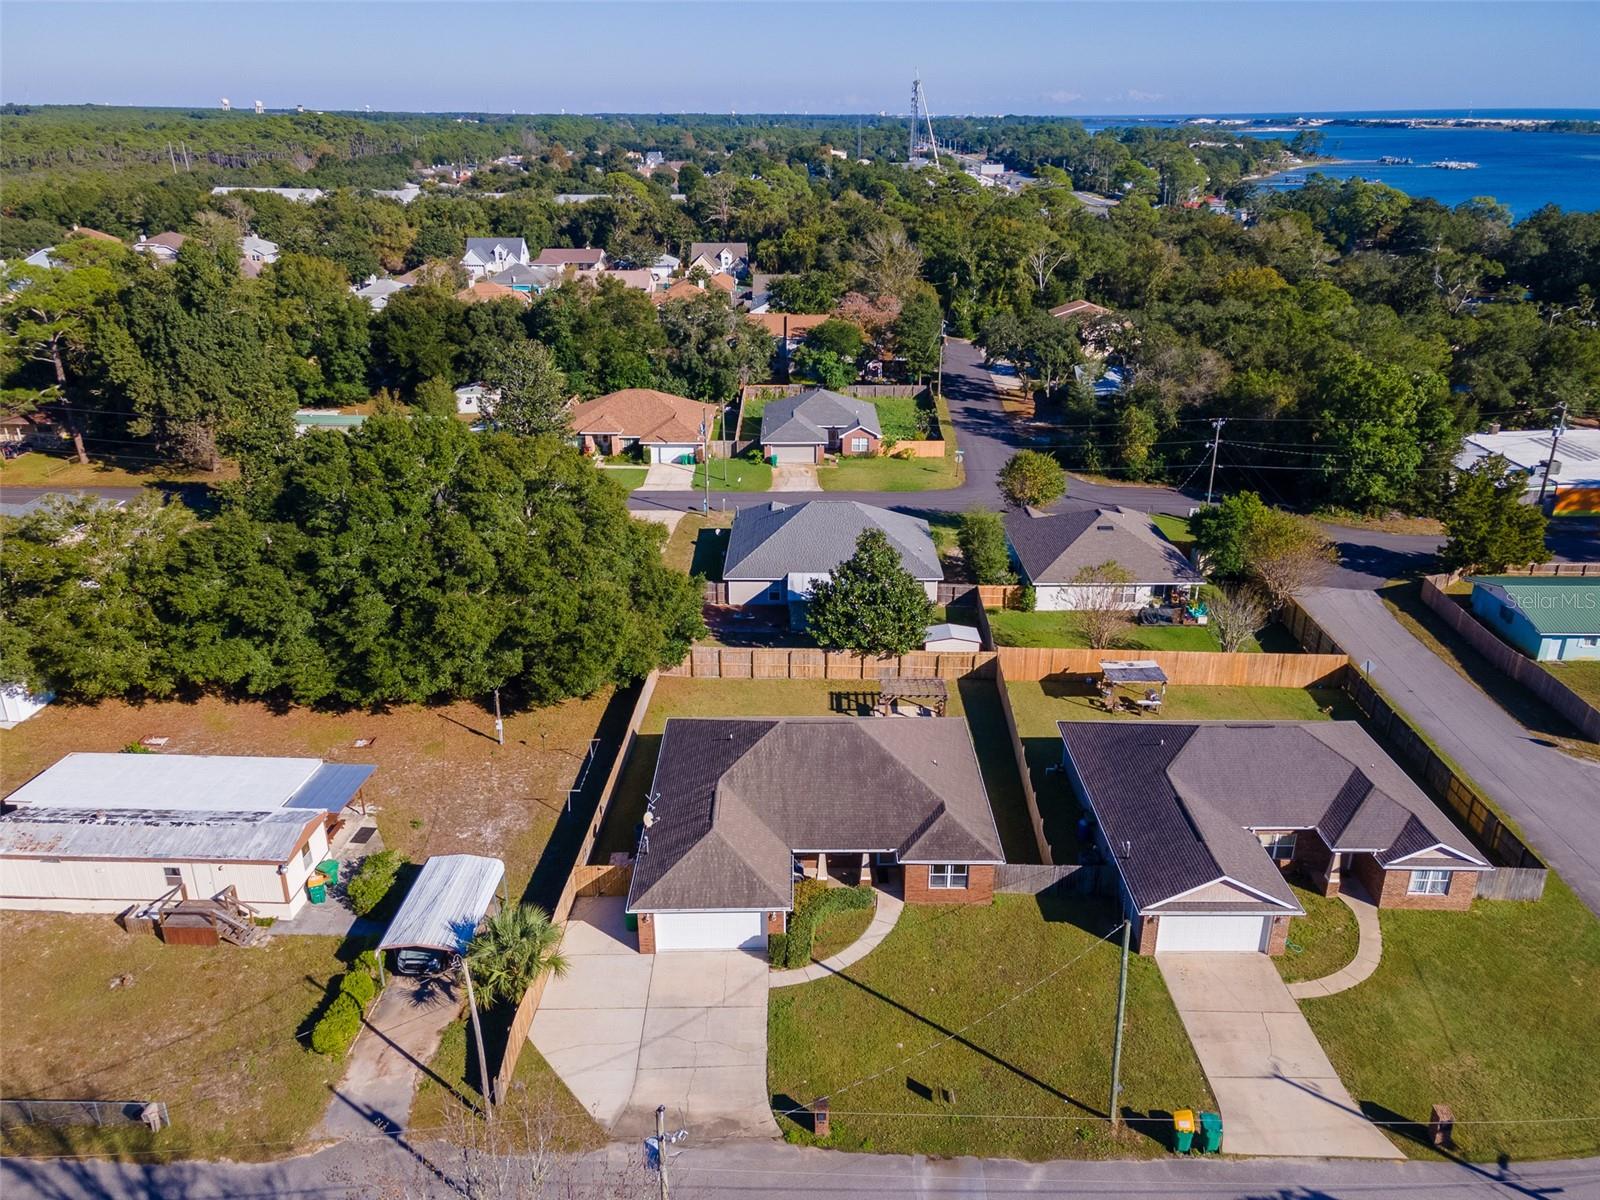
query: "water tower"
260, 108
225, 104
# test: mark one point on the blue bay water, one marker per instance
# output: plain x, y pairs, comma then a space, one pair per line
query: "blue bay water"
1524, 171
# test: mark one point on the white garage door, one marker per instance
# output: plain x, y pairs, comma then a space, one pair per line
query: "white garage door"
795, 454
669, 454
1211, 933
710, 931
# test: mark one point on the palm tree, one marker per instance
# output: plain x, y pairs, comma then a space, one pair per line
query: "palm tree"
515, 947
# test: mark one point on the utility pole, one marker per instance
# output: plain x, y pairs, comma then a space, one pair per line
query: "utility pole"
1555, 440
499, 725
661, 1147
477, 1033
705, 466
1116, 1047
1216, 424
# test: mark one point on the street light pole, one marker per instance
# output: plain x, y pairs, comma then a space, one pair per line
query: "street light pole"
1216, 424
705, 465
1555, 440
661, 1147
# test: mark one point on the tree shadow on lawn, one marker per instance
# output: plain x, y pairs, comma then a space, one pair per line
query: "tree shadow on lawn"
710, 544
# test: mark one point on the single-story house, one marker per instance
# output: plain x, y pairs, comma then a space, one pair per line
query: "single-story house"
1052, 548
1200, 820
484, 292
639, 278
1575, 476
100, 832
1548, 618
582, 259
808, 425
307, 419
376, 292
959, 639
669, 428
520, 277
741, 807
724, 258
490, 256
163, 247
777, 551
472, 397
1078, 310
29, 429
255, 253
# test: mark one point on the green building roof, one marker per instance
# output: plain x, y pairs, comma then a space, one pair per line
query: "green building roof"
1556, 607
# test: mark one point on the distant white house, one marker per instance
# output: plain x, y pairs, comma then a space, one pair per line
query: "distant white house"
1528, 450
490, 256
255, 253
471, 398
376, 292
299, 195
665, 267
163, 247
404, 194
727, 258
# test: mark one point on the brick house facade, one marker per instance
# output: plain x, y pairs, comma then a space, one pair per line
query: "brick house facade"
979, 889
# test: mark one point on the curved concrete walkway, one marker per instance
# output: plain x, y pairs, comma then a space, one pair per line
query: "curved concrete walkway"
1368, 952
883, 919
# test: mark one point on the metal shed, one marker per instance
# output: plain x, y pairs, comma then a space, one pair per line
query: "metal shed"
445, 905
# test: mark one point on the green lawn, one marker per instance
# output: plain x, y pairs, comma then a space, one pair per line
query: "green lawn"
754, 406
696, 545
1013, 628
889, 474
1037, 706
974, 699
747, 473
1029, 1074
837, 930
1492, 1012
628, 478
1322, 941
38, 468
1581, 677
1176, 530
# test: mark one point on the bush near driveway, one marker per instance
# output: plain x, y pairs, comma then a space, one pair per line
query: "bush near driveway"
1491, 1011
813, 902
1030, 1071
373, 878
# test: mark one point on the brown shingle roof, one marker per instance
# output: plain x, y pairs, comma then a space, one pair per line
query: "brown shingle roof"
483, 292
788, 324
736, 797
561, 256
1078, 308
646, 414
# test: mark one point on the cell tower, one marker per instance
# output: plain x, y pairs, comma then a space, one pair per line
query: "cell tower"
919, 112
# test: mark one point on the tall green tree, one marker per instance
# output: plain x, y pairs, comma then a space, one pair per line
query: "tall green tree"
982, 536
326, 327
532, 390
870, 604
712, 350
918, 332
1488, 524
1031, 479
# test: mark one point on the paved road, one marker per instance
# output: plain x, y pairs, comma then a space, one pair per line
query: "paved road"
1553, 798
774, 1171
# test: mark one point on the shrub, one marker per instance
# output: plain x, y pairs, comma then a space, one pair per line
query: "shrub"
778, 949
366, 961
1027, 598
814, 900
983, 547
371, 883
338, 1027
360, 987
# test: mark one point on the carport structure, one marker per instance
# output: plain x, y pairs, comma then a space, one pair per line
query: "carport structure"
445, 905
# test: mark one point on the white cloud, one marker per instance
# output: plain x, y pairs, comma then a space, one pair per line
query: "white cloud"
1063, 97
1144, 97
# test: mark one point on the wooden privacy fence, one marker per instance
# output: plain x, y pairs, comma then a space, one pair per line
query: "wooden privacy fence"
723, 662
1513, 662
1182, 667
1031, 879
582, 877
983, 595
1573, 569
1512, 883
1021, 756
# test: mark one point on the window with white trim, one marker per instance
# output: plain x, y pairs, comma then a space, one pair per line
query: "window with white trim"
305, 854
858, 445
172, 875
948, 876
1125, 595
1279, 846
1428, 883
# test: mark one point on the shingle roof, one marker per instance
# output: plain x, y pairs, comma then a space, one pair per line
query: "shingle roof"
526, 275
805, 417
713, 249
783, 324
1078, 308
1177, 800
484, 248
769, 541
1555, 607
646, 414
1054, 547
484, 292
561, 256
736, 797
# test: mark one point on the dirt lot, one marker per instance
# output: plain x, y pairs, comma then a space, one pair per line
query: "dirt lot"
443, 786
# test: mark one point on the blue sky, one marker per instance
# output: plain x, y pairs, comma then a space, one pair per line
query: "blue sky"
795, 56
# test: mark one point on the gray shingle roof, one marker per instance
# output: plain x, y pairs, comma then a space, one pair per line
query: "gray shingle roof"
806, 417
737, 797
772, 540
712, 249
1182, 798
1054, 547
484, 248
526, 275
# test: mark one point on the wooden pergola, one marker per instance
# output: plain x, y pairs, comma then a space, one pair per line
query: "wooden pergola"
932, 694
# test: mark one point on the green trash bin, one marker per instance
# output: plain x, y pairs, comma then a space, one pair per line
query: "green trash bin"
330, 868
631, 922
317, 887
1183, 1130
1211, 1132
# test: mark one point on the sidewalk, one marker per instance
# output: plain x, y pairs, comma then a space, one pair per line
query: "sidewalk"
1369, 952
883, 920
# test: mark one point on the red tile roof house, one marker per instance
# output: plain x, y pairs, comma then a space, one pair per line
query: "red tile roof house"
668, 427
805, 427
742, 807
1200, 819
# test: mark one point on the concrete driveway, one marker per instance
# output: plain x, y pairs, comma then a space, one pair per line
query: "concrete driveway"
668, 477
1278, 1093
794, 477
628, 1031
398, 1039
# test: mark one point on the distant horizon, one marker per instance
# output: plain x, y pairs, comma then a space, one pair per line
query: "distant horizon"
1083, 59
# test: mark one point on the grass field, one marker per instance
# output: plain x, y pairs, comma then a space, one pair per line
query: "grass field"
628, 478
1490, 1011
212, 1032
695, 545
974, 699
747, 473
1012, 628
1322, 941
1581, 677
944, 1003
39, 469
443, 786
1038, 706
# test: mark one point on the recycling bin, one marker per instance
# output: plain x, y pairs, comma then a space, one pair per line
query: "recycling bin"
1183, 1130
330, 868
317, 887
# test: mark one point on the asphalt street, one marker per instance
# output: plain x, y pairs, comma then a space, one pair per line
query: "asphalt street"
771, 1170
